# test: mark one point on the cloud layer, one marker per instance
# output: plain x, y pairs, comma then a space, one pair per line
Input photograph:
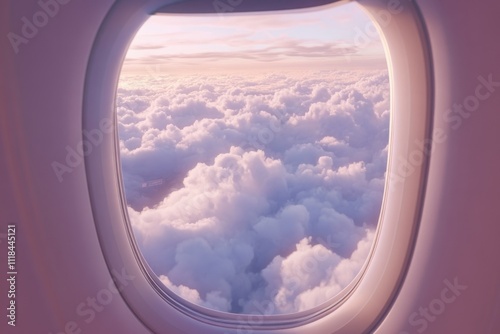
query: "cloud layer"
255, 194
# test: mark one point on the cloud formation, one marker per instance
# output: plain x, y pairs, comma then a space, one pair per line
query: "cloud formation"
320, 38
279, 50
255, 193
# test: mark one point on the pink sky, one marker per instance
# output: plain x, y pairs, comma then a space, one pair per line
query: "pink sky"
329, 38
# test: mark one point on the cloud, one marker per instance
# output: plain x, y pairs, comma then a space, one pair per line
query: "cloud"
279, 50
251, 193
304, 38
310, 275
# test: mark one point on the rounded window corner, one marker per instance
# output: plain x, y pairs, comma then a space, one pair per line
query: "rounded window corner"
360, 306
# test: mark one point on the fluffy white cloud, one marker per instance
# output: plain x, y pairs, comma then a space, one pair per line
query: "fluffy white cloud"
255, 193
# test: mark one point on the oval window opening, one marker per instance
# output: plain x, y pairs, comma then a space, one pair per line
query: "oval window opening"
253, 152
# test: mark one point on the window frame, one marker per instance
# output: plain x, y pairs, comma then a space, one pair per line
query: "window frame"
360, 306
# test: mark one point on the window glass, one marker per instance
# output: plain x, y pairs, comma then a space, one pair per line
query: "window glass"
253, 152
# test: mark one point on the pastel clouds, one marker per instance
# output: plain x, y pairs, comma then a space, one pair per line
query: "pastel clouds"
255, 192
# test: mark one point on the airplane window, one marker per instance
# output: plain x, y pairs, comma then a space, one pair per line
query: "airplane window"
253, 152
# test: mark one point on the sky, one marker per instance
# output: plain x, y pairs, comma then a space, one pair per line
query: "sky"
254, 191
336, 36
